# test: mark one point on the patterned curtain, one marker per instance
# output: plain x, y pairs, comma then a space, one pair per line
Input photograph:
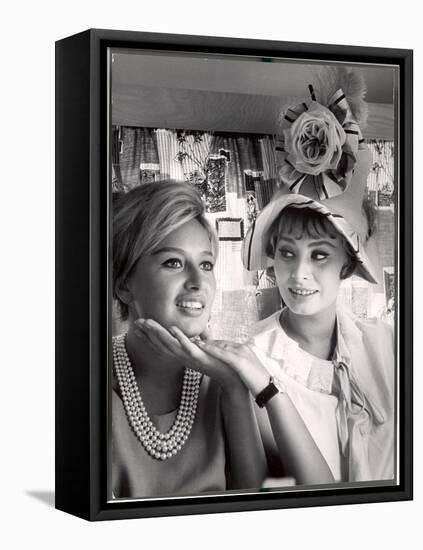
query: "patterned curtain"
168, 149
193, 153
117, 184
381, 178
270, 173
237, 177
135, 157
244, 157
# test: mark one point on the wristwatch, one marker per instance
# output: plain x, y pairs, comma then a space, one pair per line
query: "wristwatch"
273, 387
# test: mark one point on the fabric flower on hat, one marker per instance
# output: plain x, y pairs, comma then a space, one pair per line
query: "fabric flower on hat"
317, 148
315, 140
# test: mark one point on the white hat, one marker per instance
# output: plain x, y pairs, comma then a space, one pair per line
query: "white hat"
344, 211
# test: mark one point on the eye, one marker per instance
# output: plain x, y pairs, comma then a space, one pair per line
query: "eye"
319, 255
207, 266
173, 263
286, 253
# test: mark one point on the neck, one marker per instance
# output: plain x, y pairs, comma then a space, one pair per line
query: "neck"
159, 377
314, 333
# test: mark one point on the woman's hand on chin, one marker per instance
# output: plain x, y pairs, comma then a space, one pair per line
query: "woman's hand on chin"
241, 359
174, 343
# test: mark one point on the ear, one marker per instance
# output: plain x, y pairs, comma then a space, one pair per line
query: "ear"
123, 292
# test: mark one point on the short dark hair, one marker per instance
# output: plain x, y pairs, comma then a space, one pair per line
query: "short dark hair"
313, 224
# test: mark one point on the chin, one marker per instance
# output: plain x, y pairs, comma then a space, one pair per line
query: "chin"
191, 329
301, 308
303, 311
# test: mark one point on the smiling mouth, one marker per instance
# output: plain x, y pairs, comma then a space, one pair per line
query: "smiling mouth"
302, 292
190, 305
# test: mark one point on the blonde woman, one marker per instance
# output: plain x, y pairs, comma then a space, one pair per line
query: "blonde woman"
175, 431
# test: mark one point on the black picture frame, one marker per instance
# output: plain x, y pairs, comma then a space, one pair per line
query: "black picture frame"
82, 289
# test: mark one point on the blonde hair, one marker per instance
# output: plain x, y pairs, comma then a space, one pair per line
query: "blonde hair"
145, 216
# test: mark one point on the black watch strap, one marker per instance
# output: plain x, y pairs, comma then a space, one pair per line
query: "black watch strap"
265, 395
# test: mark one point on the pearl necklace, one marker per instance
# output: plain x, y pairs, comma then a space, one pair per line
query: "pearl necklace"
158, 445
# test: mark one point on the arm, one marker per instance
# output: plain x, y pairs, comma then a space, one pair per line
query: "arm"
245, 453
299, 452
229, 363
244, 449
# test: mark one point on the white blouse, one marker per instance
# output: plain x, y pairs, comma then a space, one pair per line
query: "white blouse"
347, 403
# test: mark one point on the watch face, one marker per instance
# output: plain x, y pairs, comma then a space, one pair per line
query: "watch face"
273, 388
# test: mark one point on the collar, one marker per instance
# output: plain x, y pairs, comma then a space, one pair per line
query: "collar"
318, 374
313, 373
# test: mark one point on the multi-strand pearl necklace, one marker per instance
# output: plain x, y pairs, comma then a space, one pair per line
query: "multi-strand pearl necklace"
158, 445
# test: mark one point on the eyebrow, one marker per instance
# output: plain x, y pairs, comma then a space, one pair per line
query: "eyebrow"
318, 243
313, 243
179, 251
289, 239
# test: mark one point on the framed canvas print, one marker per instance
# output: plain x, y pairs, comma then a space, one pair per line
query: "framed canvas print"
234, 274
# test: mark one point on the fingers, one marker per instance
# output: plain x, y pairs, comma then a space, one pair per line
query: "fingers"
225, 352
219, 359
173, 342
205, 335
202, 361
192, 349
242, 360
158, 336
230, 347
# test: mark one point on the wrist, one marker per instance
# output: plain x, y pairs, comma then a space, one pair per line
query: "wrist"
272, 388
257, 380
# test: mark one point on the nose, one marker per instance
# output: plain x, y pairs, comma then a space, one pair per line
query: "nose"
301, 270
194, 279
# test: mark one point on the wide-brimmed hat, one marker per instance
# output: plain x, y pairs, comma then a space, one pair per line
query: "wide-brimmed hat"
344, 211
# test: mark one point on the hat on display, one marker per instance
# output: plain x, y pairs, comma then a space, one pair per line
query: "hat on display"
323, 164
